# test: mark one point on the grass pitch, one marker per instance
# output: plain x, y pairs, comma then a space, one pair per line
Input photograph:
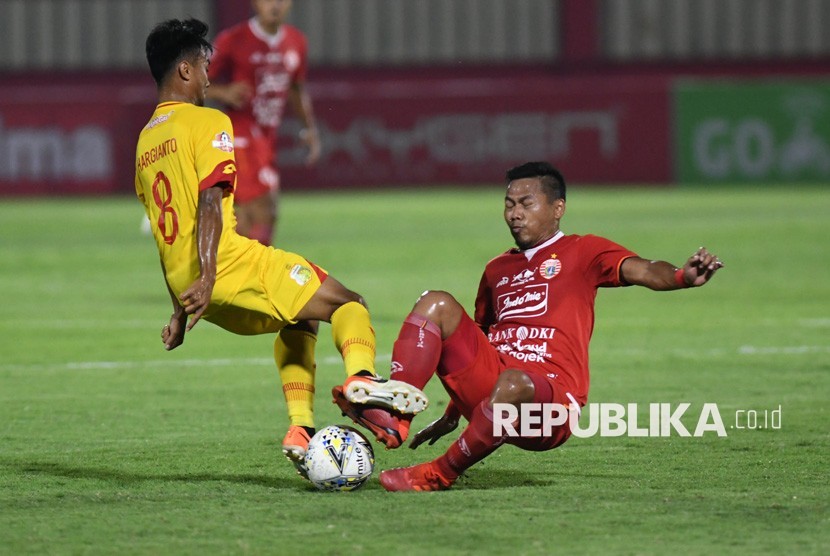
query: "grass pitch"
109, 444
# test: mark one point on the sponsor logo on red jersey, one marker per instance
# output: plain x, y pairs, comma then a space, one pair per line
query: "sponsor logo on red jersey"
527, 301
523, 277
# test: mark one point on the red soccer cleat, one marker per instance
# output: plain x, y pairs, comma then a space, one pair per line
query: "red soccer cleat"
421, 477
389, 427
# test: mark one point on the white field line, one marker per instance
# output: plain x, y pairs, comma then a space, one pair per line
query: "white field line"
81, 324
815, 323
689, 353
786, 350
165, 364
385, 358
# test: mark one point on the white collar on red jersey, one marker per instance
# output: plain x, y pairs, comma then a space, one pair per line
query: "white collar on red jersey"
533, 250
263, 35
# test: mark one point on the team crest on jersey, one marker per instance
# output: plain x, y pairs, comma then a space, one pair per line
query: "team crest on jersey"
300, 274
550, 268
223, 142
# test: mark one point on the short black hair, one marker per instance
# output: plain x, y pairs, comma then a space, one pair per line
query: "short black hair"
550, 178
172, 41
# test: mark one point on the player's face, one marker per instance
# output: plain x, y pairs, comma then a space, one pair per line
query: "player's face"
271, 13
200, 79
530, 215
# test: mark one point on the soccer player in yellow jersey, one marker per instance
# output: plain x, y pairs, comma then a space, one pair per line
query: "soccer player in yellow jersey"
185, 176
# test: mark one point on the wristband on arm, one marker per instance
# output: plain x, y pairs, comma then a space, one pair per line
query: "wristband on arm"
680, 280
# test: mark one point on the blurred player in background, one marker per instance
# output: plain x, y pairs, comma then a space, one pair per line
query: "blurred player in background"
262, 64
185, 176
534, 315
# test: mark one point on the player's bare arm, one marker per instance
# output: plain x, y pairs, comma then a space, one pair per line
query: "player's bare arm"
235, 95
663, 276
196, 298
172, 335
301, 105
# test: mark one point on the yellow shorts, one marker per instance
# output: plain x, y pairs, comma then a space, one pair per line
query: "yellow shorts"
265, 289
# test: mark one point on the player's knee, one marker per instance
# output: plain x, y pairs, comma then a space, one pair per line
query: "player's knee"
436, 303
513, 387
440, 308
310, 326
354, 297
339, 294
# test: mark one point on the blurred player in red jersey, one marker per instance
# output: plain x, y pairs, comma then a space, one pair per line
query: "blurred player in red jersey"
262, 63
534, 315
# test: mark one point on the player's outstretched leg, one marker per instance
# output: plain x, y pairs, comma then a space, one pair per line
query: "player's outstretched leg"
415, 357
385, 407
475, 443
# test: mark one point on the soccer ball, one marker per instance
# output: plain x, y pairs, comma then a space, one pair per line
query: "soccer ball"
339, 458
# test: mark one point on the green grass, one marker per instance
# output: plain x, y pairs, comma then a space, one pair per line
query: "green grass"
109, 444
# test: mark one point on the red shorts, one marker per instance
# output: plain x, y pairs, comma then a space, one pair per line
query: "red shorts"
469, 368
255, 175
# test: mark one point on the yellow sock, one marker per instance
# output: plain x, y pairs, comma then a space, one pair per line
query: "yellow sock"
294, 356
354, 337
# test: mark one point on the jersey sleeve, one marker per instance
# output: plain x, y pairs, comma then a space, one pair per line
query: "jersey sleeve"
215, 162
606, 259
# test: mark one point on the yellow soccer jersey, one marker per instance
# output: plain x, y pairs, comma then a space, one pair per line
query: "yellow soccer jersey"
182, 150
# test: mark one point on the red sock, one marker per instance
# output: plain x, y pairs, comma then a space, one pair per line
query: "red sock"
475, 443
417, 351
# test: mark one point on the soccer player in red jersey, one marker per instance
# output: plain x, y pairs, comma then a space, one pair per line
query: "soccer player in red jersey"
534, 315
262, 63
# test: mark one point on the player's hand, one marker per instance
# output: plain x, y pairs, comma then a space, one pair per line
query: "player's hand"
435, 430
236, 94
311, 139
172, 335
196, 299
700, 267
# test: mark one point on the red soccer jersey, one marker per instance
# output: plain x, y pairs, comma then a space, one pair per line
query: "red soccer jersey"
537, 305
270, 64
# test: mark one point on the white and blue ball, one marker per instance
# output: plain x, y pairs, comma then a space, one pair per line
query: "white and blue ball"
339, 458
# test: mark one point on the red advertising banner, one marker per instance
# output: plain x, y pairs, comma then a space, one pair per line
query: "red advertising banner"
79, 139
64, 140
472, 130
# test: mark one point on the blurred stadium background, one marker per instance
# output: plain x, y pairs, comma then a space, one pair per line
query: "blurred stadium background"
449, 91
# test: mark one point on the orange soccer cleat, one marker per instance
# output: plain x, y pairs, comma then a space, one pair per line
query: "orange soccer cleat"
295, 446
